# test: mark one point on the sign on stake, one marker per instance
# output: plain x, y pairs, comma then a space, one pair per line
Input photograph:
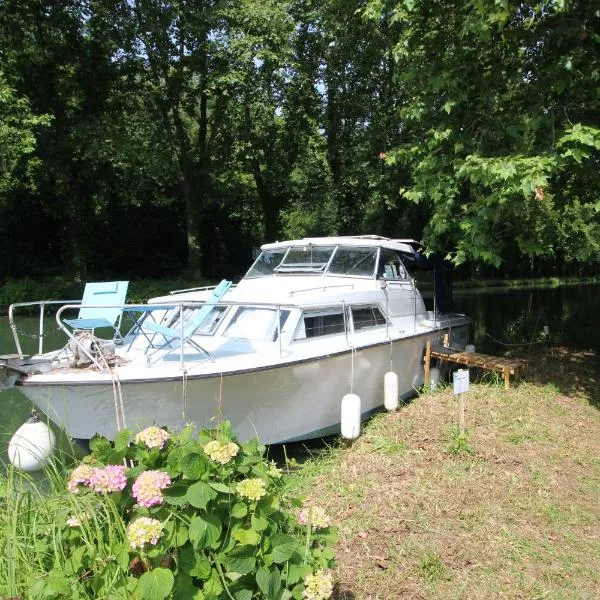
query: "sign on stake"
460, 379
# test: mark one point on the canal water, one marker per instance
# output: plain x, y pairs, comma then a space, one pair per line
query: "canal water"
502, 318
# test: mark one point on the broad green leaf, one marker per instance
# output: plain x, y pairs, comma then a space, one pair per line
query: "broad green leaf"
205, 530
283, 546
176, 494
243, 594
297, 572
242, 559
202, 568
185, 589
269, 582
155, 585
239, 510
200, 494
259, 523
57, 585
194, 465
212, 588
246, 536
76, 559
122, 439
220, 487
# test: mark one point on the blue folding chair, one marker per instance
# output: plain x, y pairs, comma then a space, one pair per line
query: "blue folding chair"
171, 334
101, 306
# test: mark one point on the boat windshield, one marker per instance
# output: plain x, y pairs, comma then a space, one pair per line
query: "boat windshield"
266, 262
356, 261
309, 258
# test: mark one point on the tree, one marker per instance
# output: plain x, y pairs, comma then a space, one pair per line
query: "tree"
501, 125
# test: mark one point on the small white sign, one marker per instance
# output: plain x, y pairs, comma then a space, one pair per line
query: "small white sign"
461, 381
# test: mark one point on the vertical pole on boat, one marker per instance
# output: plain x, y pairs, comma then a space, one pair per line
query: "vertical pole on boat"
41, 329
414, 304
181, 338
13, 328
279, 327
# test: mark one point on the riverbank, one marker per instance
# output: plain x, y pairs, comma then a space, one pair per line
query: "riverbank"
509, 511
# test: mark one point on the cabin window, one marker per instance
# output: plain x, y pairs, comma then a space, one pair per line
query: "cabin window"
316, 324
390, 265
258, 324
366, 317
354, 261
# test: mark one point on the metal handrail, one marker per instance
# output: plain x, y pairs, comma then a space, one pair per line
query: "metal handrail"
42, 304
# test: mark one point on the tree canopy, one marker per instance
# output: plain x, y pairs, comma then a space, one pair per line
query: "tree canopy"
149, 137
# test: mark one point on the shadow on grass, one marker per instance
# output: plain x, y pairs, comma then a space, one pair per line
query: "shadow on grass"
573, 372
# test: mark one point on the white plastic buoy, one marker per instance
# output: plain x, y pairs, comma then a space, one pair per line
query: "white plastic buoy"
434, 377
390, 391
350, 417
32, 445
470, 348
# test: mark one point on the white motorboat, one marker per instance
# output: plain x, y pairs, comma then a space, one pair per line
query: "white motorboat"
311, 321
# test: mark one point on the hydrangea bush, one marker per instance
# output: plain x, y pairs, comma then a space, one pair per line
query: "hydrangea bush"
193, 515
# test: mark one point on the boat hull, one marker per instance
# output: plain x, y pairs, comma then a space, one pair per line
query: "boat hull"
294, 401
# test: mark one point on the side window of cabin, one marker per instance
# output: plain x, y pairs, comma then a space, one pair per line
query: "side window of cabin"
316, 324
390, 266
367, 317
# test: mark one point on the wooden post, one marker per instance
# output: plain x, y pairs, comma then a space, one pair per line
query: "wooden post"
461, 413
427, 362
446, 340
506, 378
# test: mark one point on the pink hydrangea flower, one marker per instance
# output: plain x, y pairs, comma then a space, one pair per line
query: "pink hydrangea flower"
147, 488
109, 479
80, 476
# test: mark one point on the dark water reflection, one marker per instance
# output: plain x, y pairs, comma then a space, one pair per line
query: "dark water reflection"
499, 315
517, 316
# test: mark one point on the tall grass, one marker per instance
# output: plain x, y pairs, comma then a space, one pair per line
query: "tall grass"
34, 537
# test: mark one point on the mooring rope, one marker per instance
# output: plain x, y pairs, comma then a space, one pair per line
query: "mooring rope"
220, 400
352, 371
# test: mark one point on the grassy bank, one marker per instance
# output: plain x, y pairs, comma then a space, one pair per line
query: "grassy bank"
511, 512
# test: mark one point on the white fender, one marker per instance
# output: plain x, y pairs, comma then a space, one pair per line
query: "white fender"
390, 391
350, 417
32, 445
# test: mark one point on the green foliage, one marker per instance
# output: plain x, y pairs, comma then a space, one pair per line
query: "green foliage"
149, 137
18, 127
458, 441
224, 526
